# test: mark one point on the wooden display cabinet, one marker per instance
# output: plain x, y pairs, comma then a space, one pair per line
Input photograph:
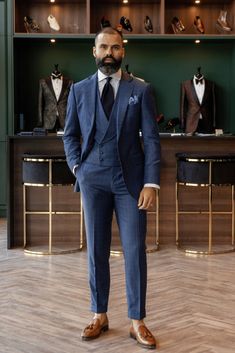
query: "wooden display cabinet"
134, 10
71, 15
207, 10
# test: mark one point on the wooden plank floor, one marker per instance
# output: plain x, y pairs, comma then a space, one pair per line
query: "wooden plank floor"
44, 303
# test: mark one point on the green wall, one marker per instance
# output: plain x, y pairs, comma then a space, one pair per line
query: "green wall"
163, 63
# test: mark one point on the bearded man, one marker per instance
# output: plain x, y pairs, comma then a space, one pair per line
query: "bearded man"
116, 171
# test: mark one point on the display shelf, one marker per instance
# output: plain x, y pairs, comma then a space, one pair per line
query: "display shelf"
71, 16
84, 16
135, 11
129, 37
208, 10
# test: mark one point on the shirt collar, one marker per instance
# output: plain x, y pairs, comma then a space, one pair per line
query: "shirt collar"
117, 75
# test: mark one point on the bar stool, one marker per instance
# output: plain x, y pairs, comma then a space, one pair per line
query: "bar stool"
210, 171
155, 213
50, 172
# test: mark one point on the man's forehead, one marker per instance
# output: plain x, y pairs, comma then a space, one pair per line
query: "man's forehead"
106, 38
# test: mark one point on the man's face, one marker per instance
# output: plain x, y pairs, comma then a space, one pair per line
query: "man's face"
108, 52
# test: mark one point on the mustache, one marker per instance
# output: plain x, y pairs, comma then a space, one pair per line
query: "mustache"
108, 57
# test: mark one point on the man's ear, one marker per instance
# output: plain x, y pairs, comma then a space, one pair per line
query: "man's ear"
94, 52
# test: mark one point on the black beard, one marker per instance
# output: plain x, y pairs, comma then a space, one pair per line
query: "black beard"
108, 68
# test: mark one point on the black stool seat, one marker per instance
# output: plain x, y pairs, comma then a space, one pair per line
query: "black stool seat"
52, 172
204, 169
36, 170
210, 170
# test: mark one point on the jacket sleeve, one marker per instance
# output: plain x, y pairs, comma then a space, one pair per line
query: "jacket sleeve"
150, 136
72, 133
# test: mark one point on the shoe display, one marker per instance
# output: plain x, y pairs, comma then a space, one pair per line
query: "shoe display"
30, 25
148, 24
125, 23
104, 22
199, 25
53, 23
177, 25
94, 329
222, 21
143, 336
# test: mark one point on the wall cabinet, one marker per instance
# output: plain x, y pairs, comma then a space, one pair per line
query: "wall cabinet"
84, 16
162, 57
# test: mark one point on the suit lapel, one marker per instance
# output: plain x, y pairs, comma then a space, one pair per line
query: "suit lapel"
49, 84
91, 92
65, 83
194, 92
206, 92
124, 93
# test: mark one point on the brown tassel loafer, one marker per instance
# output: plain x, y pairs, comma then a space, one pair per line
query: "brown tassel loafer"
143, 336
94, 329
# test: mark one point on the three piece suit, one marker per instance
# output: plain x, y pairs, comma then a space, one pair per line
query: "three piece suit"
50, 109
196, 115
113, 166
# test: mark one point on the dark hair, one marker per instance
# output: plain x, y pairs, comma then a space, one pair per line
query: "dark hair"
108, 30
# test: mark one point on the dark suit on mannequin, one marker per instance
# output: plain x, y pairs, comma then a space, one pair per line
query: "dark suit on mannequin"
51, 110
191, 110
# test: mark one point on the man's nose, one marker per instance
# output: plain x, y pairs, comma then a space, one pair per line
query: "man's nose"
109, 50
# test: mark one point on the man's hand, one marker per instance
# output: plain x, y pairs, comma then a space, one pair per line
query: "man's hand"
147, 198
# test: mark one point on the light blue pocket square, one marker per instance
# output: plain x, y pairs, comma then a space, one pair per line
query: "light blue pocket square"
133, 100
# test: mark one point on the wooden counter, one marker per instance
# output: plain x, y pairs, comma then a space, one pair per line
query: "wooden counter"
18, 145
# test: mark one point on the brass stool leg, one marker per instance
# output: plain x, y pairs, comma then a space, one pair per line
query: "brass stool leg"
177, 214
50, 208
233, 210
81, 224
210, 210
24, 215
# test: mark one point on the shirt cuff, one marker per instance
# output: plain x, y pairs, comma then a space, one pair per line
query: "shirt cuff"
150, 185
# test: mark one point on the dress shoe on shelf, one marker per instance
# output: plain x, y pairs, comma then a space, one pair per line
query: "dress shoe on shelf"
30, 25
143, 337
104, 22
222, 21
177, 25
53, 23
125, 23
94, 329
148, 24
199, 25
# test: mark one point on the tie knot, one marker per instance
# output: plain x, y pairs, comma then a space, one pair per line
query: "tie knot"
108, 79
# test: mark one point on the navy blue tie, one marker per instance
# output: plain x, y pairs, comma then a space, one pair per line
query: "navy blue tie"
107, 97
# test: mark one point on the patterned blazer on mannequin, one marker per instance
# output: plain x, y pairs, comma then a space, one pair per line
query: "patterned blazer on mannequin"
191, 109
49, 109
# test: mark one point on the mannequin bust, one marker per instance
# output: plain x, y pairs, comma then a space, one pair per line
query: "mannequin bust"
52, 102
197, 105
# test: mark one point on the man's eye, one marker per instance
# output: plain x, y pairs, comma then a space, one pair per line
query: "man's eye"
116, 47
